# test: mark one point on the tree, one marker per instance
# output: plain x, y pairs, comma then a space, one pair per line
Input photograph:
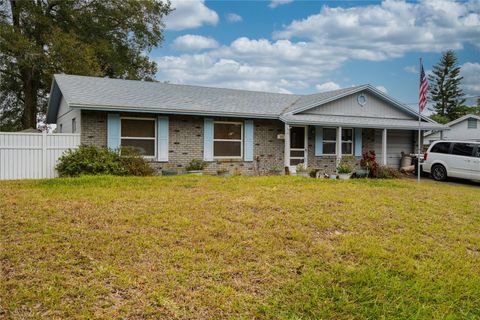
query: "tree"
85, 37
445, 87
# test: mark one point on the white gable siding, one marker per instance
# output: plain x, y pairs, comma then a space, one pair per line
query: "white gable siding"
65, 117
348, 106
460, 131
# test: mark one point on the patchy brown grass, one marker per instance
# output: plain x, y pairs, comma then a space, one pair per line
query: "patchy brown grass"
261, 247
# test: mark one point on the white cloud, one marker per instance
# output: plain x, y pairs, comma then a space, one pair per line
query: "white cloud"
281, 66
471, 79
233, 17
390, 29
382, 88
305, 52
275, 3
411, 69
190, 14
327, 86
194, 42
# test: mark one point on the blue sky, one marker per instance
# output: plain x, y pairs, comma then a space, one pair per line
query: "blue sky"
312, 46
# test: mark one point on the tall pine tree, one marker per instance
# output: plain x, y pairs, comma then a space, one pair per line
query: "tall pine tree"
445, 88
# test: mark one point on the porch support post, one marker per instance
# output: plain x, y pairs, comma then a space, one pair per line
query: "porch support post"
384, 147
339, 145
287, 146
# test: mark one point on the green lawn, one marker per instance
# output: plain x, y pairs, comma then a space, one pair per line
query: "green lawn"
192, 247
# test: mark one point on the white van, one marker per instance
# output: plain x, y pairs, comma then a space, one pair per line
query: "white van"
458, 159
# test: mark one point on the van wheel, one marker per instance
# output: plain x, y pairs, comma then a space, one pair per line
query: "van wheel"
439, 172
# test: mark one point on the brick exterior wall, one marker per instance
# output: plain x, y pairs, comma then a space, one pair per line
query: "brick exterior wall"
186, 143
94, 128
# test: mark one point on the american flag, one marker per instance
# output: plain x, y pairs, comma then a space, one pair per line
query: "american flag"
422, 97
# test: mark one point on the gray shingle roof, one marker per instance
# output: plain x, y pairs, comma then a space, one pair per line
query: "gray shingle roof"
131, 95
157, 97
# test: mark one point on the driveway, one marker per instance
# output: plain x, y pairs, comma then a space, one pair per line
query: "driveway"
451, 181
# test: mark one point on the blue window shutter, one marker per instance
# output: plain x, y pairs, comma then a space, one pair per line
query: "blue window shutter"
318, 141
162, 138
113, 131
248, 140
358, 142
208, 139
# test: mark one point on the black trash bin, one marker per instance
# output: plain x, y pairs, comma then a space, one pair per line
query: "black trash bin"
415, 163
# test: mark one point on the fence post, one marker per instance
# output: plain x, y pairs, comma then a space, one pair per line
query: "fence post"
44, 154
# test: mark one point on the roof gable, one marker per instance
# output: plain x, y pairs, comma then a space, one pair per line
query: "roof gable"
463, 118
315, 104
349, 106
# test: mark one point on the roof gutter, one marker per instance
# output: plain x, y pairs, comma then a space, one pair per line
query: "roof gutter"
173, 111
369, 126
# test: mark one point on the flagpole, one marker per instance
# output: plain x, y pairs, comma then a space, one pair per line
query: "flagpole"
419, 131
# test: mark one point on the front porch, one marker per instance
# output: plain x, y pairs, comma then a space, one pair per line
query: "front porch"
323, 147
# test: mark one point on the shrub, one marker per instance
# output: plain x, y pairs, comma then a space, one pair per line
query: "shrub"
93, 160
384, 172
135, 164
196, 164
301, 167
369, 162
344, 167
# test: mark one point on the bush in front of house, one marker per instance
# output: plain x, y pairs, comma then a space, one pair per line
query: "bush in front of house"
369, 163
93, 160
384, 172
196, 165
135, 164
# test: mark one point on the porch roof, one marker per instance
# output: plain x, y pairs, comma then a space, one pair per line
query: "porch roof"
358, 122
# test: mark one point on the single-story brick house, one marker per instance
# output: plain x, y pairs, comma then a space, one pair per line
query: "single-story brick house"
250, 131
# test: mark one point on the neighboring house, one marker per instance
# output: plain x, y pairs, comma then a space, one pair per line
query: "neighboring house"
463, 128
251, 131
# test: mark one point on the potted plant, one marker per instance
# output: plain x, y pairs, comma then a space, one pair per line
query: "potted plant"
169, 172
196, 167
344, 170
302, 170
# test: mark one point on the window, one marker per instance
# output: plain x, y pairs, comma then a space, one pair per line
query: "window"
472, 123
441, 147
347, 141
463, 149
227, 139
74, 125
330, 141
139, 133
477, 152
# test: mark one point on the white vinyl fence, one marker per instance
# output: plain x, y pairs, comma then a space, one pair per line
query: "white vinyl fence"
33, 155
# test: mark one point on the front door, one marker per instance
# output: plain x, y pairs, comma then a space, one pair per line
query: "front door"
298, 146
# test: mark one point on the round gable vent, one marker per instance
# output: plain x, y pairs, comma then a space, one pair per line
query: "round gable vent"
362, 99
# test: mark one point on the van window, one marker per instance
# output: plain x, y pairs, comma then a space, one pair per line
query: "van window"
463, 149
441, 147
477, 153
